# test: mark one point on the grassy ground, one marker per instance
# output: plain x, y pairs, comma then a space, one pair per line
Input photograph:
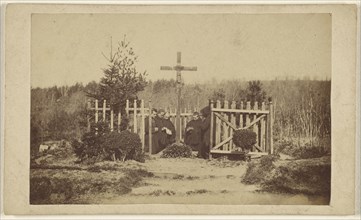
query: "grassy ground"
59, 180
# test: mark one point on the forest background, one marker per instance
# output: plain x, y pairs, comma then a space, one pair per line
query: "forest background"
302, 106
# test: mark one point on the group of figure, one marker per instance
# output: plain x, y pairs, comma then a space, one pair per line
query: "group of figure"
163, 131
197, 132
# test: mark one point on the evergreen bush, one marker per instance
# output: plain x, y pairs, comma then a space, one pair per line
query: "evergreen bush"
177, 150
244, 138
125, 145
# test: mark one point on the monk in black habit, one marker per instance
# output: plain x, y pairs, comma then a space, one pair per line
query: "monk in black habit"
205, 132
193, 132
161, 137
168, 130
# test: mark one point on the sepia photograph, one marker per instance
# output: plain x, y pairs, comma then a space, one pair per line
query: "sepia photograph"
184, 109
180, 108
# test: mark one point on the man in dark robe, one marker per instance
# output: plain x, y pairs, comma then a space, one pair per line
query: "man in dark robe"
192, 136
154, 131
205, 132
168, 129
162, 137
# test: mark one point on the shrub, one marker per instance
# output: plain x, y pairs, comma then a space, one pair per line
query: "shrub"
125, 145
90, 147
305, 151
244, 138
100, 144
40, 190
177, 150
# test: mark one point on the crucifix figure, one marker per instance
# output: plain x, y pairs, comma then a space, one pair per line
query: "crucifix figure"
178, 68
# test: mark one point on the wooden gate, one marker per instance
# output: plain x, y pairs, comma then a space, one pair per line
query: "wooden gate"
227, 117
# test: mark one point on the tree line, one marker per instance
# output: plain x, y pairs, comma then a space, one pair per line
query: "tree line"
302, 107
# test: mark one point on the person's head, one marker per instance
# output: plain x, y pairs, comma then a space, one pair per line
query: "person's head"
154, 112
195, 116
161, 113
206, 111
166, 115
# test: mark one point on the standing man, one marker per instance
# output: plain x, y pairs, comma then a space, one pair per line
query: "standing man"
205, 132
168, 129
162, 138
193, 132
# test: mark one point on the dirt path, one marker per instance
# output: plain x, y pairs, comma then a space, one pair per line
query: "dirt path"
197, 181
175, 181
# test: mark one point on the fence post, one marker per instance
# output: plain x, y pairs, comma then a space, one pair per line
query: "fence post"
104, 109
88, 116
263, 129
135, 112
127, 107
111, 120
225, 126
241, 125
150, 128
96, 111
233, 121
248, 116
218, 125
270, 126
212, 130
142, 124
119, 119
256, 126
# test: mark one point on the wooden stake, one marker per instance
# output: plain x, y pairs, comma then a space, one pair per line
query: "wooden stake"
104, 109
135, 128
142, 124
88, 116
96, 111
263, 130
270, 127
127, 107
225, 127
241, 124
248, 116
218, 125
255, 127
233, 121
150, 127
211, 129
111, 120
119, 120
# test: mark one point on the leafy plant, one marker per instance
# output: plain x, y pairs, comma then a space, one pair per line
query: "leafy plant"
125, 145
90, 147
177, 150
244, 138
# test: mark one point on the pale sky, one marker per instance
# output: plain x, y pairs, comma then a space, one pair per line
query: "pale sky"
66, 48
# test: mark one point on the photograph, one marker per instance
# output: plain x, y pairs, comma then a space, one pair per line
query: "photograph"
180, 108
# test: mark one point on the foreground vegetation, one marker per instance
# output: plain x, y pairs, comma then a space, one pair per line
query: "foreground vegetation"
56, 177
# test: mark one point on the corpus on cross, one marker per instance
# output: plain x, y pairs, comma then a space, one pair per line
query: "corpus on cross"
178, 68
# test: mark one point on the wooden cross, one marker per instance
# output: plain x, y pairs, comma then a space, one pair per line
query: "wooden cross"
178, 68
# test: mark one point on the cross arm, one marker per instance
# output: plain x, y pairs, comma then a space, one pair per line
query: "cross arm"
193, 68
166, 68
